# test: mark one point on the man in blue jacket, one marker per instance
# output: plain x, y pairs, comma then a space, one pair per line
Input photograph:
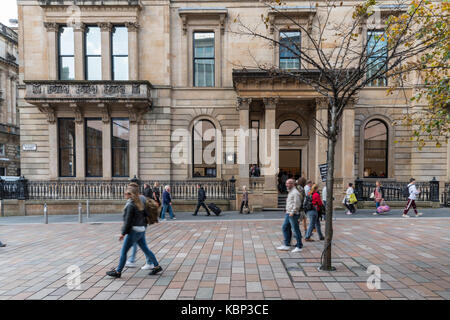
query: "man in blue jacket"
201, 197
167, 204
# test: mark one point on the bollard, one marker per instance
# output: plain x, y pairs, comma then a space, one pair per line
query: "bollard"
87, 209
45, 213
80, 213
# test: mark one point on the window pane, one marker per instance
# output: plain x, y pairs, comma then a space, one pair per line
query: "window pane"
94, 68
66, 41
120, 41
67, 68
120, 147
204, 45
290, 128
94, 167
93, 41
204, 73
66, 134
376, 56
375, 149
120, 68
291, 40
204, 153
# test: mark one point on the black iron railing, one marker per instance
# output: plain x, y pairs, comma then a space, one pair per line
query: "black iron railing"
446, 195
393, 191
110, 190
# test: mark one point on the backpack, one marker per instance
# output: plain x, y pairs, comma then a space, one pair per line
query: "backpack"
152, 210
308, 205
405, 191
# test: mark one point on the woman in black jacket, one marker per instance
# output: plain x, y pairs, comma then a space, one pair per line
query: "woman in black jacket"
133, 231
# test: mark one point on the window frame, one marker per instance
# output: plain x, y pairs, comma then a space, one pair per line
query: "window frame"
2, 149
112, 148
383, 80
193, 150
386, 149
119, 55
87, 56
291, 134
204, 58
86, 148
61, 56
73, 149
279, 49
257, 138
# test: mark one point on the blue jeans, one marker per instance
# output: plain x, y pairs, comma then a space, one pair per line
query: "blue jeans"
135, 238
164, 209
377, 204
132, 258
291, 223
314, 221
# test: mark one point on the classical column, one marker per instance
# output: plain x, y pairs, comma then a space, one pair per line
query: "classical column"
348, 144
133, 50
80, 142
106, 28
134, 141
52, 49
79, 44
52, 140
321, 143
106, 142
271, 162
243, 141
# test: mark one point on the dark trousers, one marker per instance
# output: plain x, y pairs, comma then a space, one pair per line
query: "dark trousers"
243, 203
411, 203
201, 204
350, 207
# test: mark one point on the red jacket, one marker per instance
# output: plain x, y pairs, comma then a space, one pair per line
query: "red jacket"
316, 201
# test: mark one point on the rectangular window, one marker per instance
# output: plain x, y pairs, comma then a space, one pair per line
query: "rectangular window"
2, 149
254, 142
120, 145
94, 145
120, 53
204, 59
66, 145
93, 53
376, 56
2, 172
66, 54
290, 44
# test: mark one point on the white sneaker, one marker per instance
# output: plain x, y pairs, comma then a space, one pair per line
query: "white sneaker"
174, 218
147, 267
405, 216
375, 213
348, 213
130, 264
284, 248
419, 214
297, 250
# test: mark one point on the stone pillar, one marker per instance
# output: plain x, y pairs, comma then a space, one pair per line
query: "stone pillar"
106, 28
243, 141
134, 142
78, 35
52, 49
133, 50
53, 164
270, 164
348, 144
107, 142
321, 143
80, 140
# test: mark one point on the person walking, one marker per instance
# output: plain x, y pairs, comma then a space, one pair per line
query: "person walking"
324, 200
244, 202
133, 231
308, 187
349, 199
301, 189
413, 192
147, 191
291, 218
201, 197
167, 204
313, 205
378, 196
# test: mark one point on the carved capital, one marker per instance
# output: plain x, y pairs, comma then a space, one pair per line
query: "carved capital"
105, 26
132, 26
51, 26
77, 111
135, 114
184, 23
270, 103
243, 103
49, 111
106, 115
322, 103
79, 27
222, 19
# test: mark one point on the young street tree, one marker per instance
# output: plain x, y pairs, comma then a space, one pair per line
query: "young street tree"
342, 58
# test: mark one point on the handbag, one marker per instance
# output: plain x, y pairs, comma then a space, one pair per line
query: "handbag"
372, 195
246, 210
353, 199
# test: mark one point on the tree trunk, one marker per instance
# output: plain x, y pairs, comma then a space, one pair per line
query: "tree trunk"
326, 256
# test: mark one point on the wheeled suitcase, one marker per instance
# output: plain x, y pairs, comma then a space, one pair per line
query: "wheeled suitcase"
214, 208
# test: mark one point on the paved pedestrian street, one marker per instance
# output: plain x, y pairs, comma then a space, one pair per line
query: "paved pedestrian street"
228, 259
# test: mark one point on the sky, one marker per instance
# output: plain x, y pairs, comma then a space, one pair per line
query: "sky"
8, 10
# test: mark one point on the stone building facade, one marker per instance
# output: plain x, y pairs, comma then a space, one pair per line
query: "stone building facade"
134, 73
9, 117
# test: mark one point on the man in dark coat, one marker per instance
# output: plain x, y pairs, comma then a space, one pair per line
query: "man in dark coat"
201, 200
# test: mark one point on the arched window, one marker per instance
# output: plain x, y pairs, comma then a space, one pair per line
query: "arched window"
204, 149
290, 128
375, 149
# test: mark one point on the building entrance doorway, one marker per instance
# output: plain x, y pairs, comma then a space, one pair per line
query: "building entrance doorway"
290, 166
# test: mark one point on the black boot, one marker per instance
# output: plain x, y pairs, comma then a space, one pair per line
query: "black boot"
155, 270
113, 273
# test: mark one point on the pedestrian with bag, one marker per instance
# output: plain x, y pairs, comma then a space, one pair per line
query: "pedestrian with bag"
133, 231
300, 187
313, 206
350, 199
412, 193
167, 204
156, 193
244, 202
201, 197
378, 197
291, 218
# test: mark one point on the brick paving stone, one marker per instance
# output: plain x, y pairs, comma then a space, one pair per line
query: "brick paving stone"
204, 293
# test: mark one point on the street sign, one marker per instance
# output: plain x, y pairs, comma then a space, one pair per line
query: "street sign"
323, 168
